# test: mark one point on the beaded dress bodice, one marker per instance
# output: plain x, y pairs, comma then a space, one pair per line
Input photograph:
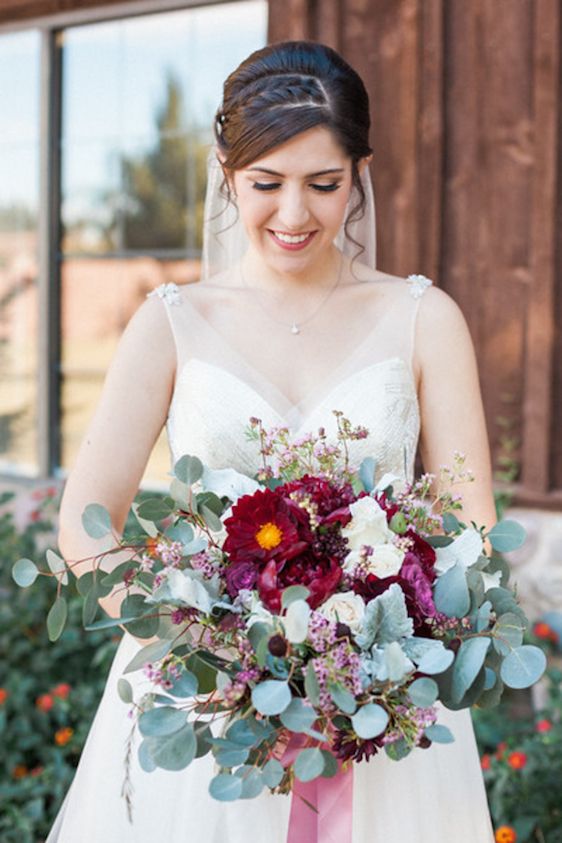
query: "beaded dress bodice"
217, 390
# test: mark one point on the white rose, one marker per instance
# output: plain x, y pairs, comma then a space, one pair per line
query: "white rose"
368, 524
346, 607
385, 561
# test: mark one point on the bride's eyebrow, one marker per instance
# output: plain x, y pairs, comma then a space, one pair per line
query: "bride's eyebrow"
308, 176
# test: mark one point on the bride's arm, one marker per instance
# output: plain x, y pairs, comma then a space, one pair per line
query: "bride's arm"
452, 415
112, 457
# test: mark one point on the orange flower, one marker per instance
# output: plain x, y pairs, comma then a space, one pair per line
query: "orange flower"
62, 690
19, 771
544, 631
485, 761
543, 726
62, 736
517, 760
44, 702
506, 834
500, 750
3, 696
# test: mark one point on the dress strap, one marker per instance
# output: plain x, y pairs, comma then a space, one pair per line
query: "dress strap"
418, 284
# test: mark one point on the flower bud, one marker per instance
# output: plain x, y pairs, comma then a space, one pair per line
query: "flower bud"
277, 645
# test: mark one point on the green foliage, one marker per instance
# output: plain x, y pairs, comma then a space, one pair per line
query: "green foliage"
522, 764
48, 693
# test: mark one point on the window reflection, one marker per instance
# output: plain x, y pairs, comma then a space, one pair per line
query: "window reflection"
19, 126
139, 97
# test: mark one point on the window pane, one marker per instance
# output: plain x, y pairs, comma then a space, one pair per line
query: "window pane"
19, 130
139, 97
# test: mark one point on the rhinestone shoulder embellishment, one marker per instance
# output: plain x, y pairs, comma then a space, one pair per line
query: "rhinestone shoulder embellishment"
418, 284
168, 292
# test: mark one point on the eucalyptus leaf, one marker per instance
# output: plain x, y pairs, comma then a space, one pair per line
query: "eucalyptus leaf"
151, 653
523, 666
311, 686
367, 473
330, 764
292, 593
211, 519
507, 633
344, 700
164, 720
423, 692
252, 781
174, 751
309, 764
56, 618
225, 788
273, 772
271, 696
25, 572
155, 509
124, 690
507, 535
469, 661
439, 733
115, 577
186, 685
57, 565
397, 749
371, 720
231, 757
147, 526
298, 716
146, 760
96, 520
451, 594
188, 469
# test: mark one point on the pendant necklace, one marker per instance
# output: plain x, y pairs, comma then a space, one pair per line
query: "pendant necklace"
295, 327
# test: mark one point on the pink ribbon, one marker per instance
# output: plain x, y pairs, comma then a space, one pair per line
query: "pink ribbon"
329, 820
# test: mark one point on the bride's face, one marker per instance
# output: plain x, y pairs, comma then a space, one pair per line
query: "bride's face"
299, 190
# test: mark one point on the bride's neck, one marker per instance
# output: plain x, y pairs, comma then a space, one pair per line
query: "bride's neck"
257, 273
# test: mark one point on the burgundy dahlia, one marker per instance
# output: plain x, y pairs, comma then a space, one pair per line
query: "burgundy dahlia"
321, 575
265, 526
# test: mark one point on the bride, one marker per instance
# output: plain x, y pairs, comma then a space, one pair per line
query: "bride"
289, 321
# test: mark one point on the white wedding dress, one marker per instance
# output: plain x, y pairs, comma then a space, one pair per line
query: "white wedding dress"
432, 796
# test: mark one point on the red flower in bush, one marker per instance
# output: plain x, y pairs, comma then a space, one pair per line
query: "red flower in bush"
517, 760
3, 696
485, 762
543, 726
44, 702
546, 632
266, 526
321, 575
62, 690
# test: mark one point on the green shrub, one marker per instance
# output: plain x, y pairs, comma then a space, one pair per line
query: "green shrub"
48, 692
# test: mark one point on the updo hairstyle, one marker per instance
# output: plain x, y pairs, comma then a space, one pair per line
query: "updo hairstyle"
284, 89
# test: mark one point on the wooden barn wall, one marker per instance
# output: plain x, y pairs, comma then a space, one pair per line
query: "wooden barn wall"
465, 103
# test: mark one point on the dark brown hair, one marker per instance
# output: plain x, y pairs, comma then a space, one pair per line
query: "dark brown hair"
284, 89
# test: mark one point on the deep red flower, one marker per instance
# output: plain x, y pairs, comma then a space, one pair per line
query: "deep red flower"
345, 745
424, 552
414, 584
265, 526
321, 575
332, 500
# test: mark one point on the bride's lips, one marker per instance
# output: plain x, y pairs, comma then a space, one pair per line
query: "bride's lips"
292, 247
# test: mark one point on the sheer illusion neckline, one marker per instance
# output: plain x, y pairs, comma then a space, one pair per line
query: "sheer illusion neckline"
307, 405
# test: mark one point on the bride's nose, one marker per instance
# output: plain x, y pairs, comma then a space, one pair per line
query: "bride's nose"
293, 212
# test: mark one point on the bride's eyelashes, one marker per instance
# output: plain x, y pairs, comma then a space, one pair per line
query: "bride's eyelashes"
323, 188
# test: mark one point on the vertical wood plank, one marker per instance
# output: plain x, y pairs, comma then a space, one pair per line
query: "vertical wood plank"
540, 334
430, 138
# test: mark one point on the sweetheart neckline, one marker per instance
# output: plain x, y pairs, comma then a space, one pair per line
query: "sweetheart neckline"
305, 417
294, 406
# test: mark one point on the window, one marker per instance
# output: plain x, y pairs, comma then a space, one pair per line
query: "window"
136, 101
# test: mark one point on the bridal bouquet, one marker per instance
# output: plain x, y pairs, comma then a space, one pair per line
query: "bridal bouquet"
308, 604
